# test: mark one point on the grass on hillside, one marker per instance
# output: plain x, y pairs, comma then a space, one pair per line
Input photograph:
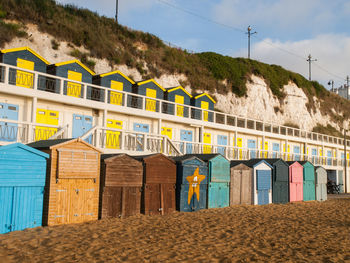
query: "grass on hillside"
119, 45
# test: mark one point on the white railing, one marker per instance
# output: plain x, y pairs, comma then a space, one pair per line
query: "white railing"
54, 84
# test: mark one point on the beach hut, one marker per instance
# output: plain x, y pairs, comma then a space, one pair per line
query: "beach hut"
77, 72
73, 181
152, 90
22, 181
241, 184
295, 181
191, 183
159, 181
181, 96
309, 189
321, 183
205, 102
262, 189
280, 181
117, 82
218, 179
121, 184
26, 59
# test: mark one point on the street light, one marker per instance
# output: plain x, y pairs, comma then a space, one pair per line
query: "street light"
331, 82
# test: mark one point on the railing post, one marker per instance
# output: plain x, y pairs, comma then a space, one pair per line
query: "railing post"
6, 74
145, 142
98, 138
35, 81
84, 91
61, 86
105, 99
121, 140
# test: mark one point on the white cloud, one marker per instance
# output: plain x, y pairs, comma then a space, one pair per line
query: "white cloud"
332, 52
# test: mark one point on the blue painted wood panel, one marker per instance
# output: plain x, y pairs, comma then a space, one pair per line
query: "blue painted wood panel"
186, 136
6, 203
188, 167
219, 169
194, 204
263, 180
141, 89
222, 140
296, 151
275, 149
252, 148
263, 197
106, 81
81, 124
218, 195
8, 131
140, 127
62, 71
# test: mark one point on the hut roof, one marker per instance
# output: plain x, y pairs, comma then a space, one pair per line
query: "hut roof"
271, 161
48, 144
206, 157
205, 94
185, 157
142, 157
116, 72
75, 61
176, 88
25, 147
28, 49
150, 80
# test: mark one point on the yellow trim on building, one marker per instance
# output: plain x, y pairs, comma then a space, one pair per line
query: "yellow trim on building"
151, 80
25, 48
75, 61
205, 94
180, 87
117, 72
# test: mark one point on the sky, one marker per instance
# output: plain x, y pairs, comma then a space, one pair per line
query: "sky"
287, 30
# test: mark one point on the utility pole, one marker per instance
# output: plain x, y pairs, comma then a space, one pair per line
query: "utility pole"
331, 82
310, 60
345, 162
249, 34
116, 11
347, 87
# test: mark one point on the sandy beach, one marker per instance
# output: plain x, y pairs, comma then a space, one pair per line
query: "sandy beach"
300, 232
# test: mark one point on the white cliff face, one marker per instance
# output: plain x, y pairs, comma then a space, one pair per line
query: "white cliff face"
259, 103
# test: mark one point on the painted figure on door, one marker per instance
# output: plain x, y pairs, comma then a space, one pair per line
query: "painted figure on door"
194, 181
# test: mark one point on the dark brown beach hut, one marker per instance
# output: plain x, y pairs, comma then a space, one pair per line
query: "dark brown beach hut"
159, 180
121, 185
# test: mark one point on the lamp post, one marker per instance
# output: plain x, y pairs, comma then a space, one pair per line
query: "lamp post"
249, 29
331, 83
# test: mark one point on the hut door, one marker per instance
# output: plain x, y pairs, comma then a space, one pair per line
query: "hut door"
207, 141
340, 181
6, 205
169, 133
112, 199
151, 104
74, 89
246, 187
47, 117
116, 97
153, 199
275, 149
263, 181
296, 151
121, 201
168, 198
179, 108
24, 78
139, 127
113, 137
81, 125
8, 131
222, 140
186, 136
252, 148
205, 106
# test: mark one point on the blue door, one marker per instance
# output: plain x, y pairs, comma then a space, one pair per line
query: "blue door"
252, 148
263, 186
81, 125
329, 159
21, 207
275, 149
218, 195
8, 131
314, 155
222, 140
140, 127
296, 151
186, 136
6, 203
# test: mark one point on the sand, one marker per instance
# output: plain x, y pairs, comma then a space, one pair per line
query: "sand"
302, 232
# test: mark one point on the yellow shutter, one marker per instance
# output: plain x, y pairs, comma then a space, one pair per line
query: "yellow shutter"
167, 132
48, 117
205, 106
207, 140
74, 89
116, 97
25, 79
239, 145
113, 137
179, 109
151, 104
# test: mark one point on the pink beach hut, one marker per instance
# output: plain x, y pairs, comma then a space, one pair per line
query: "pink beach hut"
295, 181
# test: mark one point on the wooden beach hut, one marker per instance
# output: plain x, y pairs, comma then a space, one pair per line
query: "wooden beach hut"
295, 181
321, 183
152, 90
117, 82
73, 181
191, 183
309, 190
182, 97
159, 180
26, 59
280, 181
205, 102
241, 184
22, 181
218, 179
121, 185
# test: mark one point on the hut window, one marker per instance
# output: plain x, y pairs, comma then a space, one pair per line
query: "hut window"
41, 112
52, 114
77, 117
1, 106
12, 108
